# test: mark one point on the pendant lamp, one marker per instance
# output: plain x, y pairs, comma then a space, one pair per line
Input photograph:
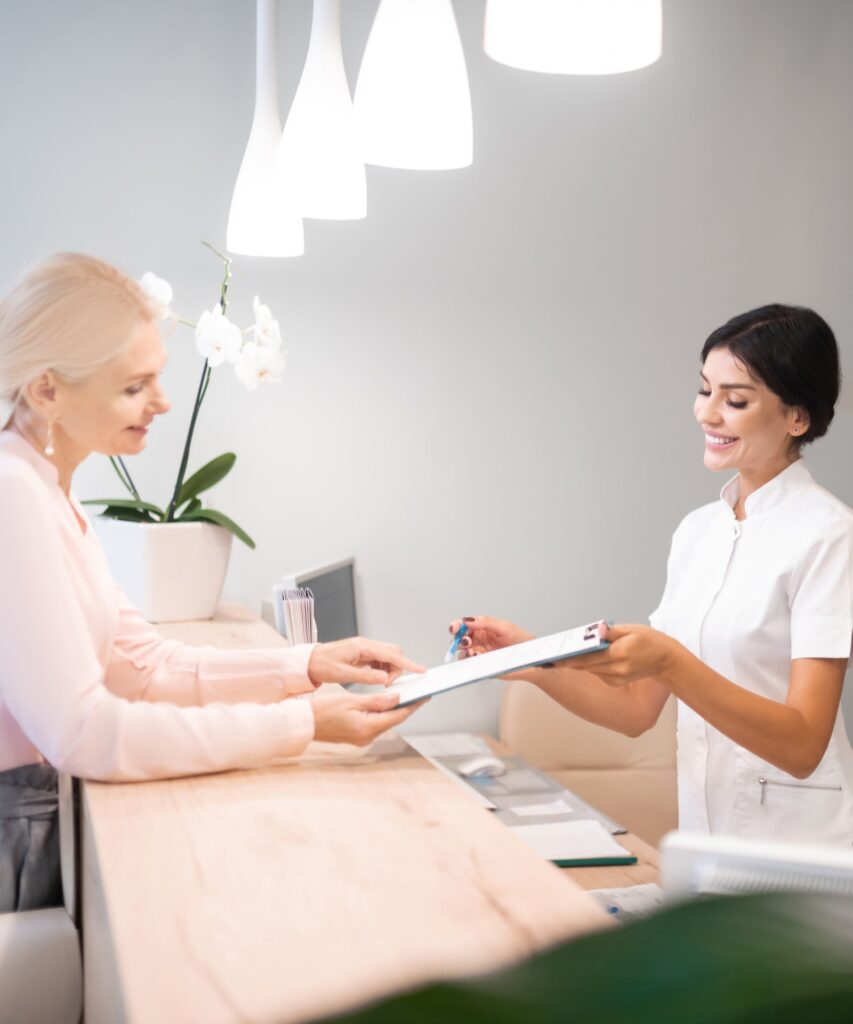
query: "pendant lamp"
412, 101
574, 37
260, 222
319, 160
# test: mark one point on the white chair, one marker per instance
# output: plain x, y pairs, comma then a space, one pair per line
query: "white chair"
631, 780
41, 976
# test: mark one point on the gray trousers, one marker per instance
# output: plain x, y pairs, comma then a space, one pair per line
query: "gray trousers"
29, 839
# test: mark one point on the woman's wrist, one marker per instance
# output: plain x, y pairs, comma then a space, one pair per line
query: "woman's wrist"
674, 666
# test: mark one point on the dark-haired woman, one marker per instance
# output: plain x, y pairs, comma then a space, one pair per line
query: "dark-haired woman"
753, 632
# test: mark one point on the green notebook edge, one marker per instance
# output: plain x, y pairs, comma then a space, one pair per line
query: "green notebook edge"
594, 862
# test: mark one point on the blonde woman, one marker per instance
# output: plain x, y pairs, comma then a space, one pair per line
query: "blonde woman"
86, 685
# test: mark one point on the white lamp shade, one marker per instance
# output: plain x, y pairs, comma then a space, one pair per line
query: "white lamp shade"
574, 37
261, 222
319, 159
412, 101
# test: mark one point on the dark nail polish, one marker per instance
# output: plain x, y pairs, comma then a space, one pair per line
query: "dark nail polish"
468, 618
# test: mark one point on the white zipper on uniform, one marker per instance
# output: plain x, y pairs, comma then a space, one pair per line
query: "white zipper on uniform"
765, 782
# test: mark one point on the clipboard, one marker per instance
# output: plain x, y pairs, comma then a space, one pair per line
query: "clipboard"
532, 653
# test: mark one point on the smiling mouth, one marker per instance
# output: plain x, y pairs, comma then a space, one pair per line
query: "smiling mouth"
718, 441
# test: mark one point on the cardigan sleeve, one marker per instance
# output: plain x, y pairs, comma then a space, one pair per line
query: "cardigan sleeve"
144, 665
53, 683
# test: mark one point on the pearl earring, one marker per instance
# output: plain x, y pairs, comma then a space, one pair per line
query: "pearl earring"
48, 444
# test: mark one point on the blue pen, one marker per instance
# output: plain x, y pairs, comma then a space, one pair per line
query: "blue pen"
454, 645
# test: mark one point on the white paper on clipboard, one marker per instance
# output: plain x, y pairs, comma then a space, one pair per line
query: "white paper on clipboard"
544, 650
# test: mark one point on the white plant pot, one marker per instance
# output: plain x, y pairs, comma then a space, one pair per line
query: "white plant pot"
172, 572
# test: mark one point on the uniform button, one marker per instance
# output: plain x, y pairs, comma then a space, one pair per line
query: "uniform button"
737, 530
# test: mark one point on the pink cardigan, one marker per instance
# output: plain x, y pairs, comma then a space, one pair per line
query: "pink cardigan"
87, 685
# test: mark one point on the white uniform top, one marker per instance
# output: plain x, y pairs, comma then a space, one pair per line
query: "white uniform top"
746, 598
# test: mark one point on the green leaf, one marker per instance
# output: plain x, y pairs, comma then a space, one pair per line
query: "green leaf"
206, 477
209, 515
142, 506
129, 515
191, 508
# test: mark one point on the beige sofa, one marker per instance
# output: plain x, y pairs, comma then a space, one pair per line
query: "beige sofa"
631, 780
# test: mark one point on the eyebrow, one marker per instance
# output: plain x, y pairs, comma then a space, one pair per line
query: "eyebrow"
730, 387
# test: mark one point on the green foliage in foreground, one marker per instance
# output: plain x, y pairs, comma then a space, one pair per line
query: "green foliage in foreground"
748, 960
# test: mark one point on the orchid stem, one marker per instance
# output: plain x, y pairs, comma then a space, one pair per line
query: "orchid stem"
124, 475
179, 483
202, 390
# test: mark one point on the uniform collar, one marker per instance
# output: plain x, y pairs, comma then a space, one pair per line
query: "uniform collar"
11, 441
773, 493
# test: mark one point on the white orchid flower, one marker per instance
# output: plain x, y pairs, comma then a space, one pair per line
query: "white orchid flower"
266, 328
259, 363
216, 338
158, 289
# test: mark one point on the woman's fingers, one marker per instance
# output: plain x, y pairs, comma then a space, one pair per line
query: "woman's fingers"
357, 718
380, 721
376, 702
357, 660
379, 713
456, 624
365, 675
370, 651
486, 633
477, 623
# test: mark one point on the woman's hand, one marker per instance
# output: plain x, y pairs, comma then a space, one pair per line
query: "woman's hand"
486, 634
357, 660
635, 652
357, 717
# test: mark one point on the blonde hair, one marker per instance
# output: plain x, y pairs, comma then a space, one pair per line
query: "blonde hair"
70, 314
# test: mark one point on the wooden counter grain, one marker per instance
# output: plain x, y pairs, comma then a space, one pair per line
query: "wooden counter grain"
284, 893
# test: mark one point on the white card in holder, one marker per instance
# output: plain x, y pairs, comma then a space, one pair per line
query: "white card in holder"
294, 614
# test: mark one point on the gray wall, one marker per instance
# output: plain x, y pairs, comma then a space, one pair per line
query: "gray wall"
490, 381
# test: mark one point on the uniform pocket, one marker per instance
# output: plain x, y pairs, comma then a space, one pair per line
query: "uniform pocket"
764, 782
801, 810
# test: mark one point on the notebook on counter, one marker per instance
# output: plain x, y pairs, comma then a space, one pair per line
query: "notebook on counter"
574, 844
542, 651
552, 820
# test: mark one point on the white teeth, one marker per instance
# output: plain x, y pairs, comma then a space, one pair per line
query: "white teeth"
719, 440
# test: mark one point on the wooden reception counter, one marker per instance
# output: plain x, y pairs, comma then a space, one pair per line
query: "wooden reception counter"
288, 892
